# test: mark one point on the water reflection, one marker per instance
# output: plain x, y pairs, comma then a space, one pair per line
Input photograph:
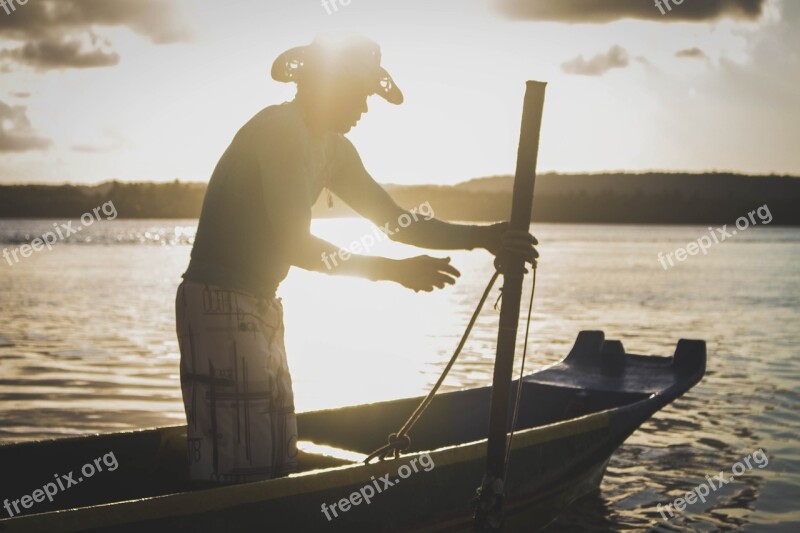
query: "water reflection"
93, 348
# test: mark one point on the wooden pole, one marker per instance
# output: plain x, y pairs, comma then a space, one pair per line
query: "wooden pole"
489, 512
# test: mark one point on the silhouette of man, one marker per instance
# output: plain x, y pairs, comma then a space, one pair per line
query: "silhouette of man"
255, 224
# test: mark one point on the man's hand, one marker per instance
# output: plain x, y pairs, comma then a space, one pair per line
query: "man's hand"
423, 273
499, 240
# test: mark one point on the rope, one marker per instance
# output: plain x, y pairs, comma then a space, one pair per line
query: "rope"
521, 371
401, 441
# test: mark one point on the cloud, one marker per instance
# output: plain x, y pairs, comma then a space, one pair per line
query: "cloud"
90, 149
601, 11
60, 33
114, 141
616, 57
691, 53
16, 133
60, 53
156, 19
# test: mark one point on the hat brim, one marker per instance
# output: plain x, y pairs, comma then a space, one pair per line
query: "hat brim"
288, 65
388, 89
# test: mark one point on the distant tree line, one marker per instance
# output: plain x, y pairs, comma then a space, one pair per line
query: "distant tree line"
652, 198
132, 200
604, 207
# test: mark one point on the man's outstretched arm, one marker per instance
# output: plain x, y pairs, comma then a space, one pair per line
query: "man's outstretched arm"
353, 184
287, 203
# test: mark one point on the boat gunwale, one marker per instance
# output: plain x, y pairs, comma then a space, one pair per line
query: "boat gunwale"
186, 503
340, 476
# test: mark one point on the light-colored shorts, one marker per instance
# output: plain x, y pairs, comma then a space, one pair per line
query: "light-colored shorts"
237, 390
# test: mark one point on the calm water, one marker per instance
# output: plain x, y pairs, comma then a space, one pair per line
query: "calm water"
94, 348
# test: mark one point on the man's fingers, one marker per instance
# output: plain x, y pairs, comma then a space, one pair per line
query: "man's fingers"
521, 247
440, 279
436, 274
526, 250
443, 265
528, 254
519, 235
428, 273
519, 240
449, 269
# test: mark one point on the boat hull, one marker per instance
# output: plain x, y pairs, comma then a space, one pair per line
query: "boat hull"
573, 416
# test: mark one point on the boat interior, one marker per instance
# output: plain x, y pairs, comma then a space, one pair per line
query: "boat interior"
597, 375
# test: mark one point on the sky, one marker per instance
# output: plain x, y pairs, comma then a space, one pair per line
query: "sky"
154, 90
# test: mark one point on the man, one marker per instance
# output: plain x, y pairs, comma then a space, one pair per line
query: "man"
255, 224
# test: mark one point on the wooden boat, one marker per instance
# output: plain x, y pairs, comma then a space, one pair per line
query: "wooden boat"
572, 417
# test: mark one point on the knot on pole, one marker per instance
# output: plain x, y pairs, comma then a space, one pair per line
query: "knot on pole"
397, 443
488, 504
400, 443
